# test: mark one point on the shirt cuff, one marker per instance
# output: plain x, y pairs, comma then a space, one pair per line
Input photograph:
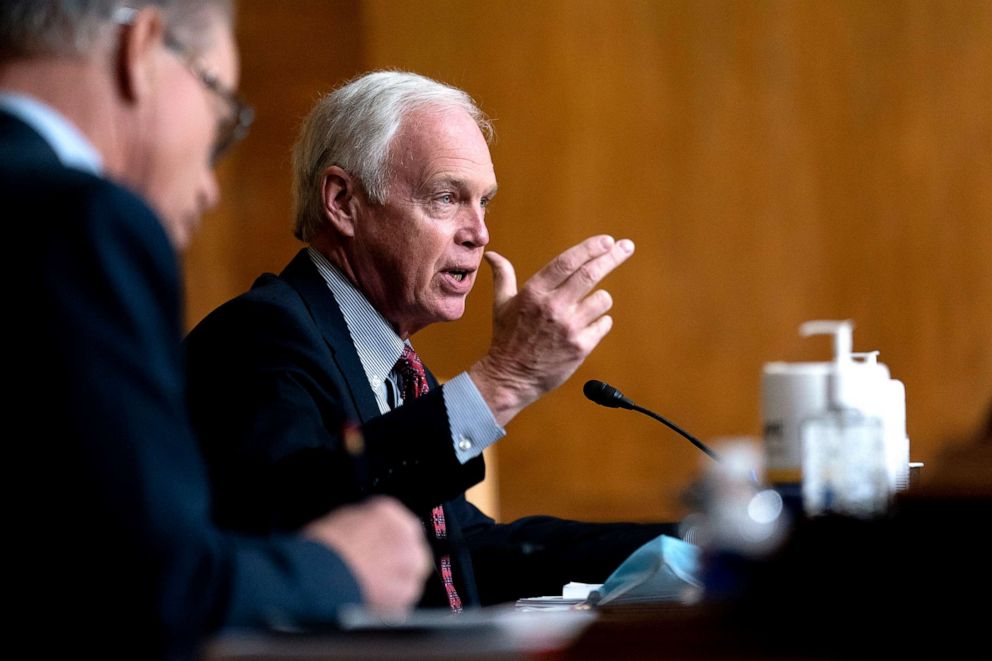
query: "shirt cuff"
473, 427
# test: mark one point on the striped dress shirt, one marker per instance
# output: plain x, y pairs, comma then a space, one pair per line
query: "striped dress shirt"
473, 427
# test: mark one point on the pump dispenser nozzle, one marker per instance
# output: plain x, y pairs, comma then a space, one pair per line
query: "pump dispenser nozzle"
842, 384
843, 332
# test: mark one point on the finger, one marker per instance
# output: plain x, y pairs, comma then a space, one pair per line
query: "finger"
504, 278
592, 307
423, 562
595, 332
564, 265
593, 271
426, 564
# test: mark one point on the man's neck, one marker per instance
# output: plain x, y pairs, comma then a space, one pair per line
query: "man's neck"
338, 256
76, 88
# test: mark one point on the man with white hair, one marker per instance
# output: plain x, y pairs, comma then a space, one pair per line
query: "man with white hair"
111, 117
306, 390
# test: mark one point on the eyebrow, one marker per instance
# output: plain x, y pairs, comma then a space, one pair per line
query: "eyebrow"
459, 184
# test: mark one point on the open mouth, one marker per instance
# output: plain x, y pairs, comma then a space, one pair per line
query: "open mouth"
458, 275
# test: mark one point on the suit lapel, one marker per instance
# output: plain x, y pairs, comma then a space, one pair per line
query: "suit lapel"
303, 276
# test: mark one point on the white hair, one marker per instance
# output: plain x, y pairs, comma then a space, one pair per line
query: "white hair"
30, 28
353, 128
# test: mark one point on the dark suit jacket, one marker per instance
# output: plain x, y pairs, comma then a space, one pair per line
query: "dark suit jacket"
116, 551
274, 379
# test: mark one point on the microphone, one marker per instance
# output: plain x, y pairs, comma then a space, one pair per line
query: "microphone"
606, 395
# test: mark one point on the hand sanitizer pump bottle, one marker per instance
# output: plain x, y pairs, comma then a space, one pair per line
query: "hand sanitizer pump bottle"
887, 400
843, 448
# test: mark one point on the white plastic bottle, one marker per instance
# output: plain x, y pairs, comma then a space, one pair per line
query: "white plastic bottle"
886, 399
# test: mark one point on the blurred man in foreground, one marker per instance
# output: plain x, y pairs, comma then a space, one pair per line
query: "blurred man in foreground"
393, 176
111, 117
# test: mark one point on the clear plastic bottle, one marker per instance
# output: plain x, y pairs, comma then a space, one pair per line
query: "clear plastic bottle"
845, 466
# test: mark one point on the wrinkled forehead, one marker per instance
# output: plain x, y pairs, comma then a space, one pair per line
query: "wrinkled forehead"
436, 134
437, 123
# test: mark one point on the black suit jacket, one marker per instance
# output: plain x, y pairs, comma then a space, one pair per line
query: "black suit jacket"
116, 552
275, 378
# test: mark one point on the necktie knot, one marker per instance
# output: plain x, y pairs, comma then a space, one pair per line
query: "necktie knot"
413, 377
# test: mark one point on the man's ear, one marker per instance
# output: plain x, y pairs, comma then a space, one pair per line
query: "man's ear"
339, 199
137, 57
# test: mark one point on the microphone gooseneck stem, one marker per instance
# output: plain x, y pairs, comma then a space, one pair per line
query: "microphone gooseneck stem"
678, 430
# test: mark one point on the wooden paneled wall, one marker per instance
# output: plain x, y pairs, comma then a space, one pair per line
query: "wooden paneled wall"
773, 161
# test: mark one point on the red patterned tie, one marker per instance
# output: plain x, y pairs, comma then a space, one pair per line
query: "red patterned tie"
414, 384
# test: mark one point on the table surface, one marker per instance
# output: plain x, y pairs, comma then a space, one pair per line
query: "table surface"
911, 585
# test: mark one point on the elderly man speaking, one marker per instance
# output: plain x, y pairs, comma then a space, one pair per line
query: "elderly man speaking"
307, 392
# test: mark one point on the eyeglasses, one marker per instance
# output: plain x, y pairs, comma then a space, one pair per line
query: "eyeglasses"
239, 116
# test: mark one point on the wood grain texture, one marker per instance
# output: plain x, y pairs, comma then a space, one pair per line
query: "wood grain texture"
774, 162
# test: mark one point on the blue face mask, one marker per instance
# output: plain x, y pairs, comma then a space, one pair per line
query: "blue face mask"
664, 569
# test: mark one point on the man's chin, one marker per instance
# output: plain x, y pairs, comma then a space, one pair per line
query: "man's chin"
180, 232
450, 311
453, 313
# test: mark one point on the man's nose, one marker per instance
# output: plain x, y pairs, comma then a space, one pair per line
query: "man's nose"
473, 233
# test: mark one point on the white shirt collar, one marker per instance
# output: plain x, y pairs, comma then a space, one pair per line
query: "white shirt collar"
68, 142
377, 344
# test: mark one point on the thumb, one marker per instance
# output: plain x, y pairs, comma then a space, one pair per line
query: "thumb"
504, 278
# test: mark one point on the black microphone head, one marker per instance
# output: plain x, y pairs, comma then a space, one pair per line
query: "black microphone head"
605, 395
593, 390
